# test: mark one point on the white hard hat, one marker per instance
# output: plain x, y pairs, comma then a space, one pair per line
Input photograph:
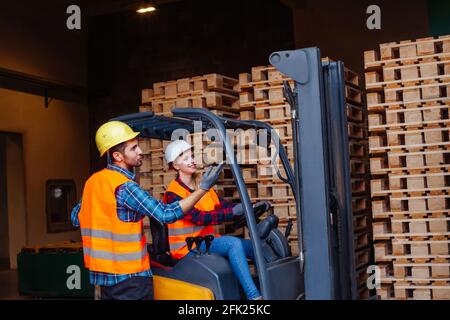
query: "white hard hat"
175, 148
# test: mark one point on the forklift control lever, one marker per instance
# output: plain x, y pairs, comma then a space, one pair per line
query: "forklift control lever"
208, 240
189, 242
288, 229
198, 241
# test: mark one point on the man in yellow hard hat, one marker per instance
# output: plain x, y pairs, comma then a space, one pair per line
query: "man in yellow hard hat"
110, 216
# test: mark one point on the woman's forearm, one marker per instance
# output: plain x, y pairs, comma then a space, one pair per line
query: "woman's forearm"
189, 202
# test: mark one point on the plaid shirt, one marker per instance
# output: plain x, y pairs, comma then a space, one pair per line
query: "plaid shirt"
222, 213
133, 204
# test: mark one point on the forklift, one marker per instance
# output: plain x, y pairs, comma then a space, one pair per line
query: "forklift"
324, 269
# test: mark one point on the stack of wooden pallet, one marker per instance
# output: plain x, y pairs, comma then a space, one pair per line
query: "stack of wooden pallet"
408, 101
261, 98
214, 92
360, 176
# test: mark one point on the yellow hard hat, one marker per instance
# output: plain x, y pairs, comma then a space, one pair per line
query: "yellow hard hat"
111, 134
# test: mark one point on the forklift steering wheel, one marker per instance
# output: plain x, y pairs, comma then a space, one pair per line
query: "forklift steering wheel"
242, 222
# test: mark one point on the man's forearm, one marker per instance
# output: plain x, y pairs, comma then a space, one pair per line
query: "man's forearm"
189, 202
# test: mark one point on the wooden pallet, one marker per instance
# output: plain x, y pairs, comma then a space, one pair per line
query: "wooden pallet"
405, 291
261, 75
422, 183
64, 246
359, 167
230, 191
351, 78
406, 51
360, 204
412, 160
425, 271
353, 95
357, 131
355, 113
435, 140
411, 78
362, 239
410, 205
420, 229
397, 73
421, 116
437, 247
411, 49
190, 86
163, 177
285, 210
273, 114
211, 82
358, 149
145, 180
274, 191
262, 92
362, 221
416, 161
375, 102
362, 258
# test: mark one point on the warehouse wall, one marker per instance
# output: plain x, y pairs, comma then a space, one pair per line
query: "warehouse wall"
128, 52
339, 29
35, 41
4, 233
16, 202
54, 147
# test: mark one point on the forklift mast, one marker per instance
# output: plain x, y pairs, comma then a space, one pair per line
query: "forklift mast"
322, 172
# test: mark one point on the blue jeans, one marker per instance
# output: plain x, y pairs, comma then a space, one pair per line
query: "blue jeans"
237, 251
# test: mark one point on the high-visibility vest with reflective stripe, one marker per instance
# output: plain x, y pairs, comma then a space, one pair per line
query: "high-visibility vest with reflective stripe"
109, 244
181, 229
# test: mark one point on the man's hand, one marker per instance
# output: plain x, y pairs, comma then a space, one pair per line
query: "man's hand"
210, 177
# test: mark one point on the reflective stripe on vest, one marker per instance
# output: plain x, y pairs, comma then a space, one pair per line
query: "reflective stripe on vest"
109, 244
102, 234
181, 229
100, 254
176, 246
185, 230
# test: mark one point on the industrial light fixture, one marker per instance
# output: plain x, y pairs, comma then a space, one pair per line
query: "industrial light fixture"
146, 7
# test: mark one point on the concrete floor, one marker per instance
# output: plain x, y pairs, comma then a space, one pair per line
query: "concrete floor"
9, 285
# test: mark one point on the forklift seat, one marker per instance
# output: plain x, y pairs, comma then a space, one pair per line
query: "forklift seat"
160, 249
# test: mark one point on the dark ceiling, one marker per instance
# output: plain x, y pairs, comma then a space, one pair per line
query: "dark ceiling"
102, 7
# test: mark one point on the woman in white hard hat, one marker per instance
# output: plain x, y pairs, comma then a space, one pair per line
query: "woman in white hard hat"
209, 210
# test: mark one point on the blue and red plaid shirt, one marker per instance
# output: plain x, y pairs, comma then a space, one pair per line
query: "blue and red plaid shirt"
222, 213
133, 204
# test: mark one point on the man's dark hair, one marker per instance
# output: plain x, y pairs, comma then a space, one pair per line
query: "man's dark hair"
118, 148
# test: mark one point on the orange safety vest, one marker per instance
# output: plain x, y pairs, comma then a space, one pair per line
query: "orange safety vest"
181, 229
109, 244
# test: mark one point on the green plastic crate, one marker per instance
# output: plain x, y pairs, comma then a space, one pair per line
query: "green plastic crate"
54, 275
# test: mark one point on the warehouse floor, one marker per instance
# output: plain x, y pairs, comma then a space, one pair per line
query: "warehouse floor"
9, 287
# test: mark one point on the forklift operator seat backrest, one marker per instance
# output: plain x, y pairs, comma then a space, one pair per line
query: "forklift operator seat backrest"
160, 249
